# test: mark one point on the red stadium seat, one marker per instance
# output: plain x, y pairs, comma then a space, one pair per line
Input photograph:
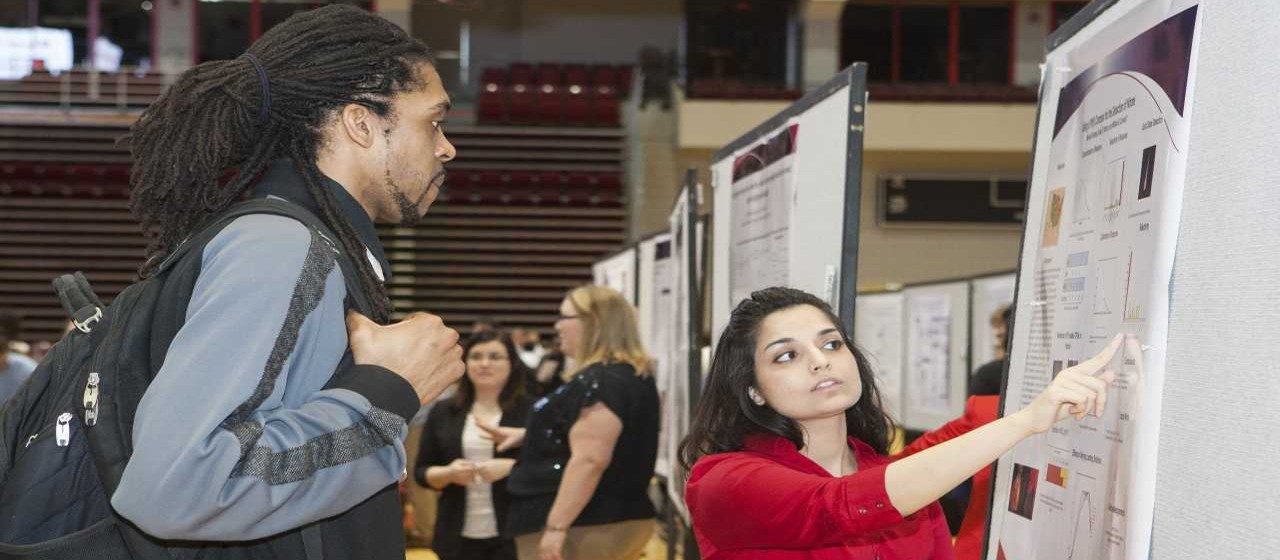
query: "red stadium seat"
520, 74
604, 108
520, 104
550, 105
576, 75
549, 73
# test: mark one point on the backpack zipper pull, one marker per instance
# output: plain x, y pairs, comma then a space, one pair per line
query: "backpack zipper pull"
63, 430
91, 400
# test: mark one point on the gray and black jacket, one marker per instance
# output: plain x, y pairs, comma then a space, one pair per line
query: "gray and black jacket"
258, 424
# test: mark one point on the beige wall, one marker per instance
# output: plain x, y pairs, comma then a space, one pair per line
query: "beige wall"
902, 255
933, 127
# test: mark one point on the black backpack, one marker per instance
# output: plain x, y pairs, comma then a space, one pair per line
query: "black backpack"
66, 435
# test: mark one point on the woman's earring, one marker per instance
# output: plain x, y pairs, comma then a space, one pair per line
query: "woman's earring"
755, 396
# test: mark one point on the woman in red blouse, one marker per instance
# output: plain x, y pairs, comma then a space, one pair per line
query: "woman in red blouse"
787, 451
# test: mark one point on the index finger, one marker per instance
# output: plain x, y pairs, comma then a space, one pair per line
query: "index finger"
1101, 359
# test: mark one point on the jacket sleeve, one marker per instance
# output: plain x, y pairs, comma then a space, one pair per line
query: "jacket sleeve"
238, 437
971, 420
431, 449
745, 502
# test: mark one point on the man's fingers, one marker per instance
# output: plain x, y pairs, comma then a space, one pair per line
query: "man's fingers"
355, 321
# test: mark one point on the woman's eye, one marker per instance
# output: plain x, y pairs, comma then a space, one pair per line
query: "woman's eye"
438, 125
833, 345
785, 357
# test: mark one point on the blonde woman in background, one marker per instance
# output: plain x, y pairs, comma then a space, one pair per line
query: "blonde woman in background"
579, 488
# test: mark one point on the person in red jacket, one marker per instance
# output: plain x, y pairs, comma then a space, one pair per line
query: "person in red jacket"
787, 453
979, 411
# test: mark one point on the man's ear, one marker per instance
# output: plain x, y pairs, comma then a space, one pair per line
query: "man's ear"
358, 124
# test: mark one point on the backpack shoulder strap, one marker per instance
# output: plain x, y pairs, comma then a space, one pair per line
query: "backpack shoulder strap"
357, 299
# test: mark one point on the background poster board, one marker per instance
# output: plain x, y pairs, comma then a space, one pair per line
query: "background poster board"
791, 180
618, 271
655, 321
936, 354
989, 294
878, 329
685, 381
1103, 218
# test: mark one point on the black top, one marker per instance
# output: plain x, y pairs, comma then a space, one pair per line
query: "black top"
441, 444
987, 379
621, 495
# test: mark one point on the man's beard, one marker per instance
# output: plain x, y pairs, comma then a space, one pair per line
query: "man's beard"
411, 210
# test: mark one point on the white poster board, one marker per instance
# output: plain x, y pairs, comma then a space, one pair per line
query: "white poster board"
655, 319
792, 180
989, 294
878, 330
1101, 232
617, 271
679, 394
936, 354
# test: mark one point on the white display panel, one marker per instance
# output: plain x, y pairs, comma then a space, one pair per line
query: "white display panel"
786, 202
618, 271
936, 354
1102, 228
879, 330
678, 396
990, 294
654, 311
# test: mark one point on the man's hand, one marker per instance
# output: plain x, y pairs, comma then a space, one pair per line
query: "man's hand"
420, 349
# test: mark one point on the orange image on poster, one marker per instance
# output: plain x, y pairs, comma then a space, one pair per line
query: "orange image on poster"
1053, 218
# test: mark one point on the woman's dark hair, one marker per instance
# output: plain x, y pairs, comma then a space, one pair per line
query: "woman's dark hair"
725, 415
198, 148
511, 392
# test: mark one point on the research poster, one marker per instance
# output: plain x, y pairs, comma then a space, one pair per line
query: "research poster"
929, 354
676, 413
1106, 192
877, 329
658, 338
763, 194
618, 272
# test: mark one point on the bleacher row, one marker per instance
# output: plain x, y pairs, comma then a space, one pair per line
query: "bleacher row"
511, 188
553, 94
525, 212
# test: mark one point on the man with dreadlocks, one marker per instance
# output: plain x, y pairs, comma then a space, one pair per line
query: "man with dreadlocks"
257, 439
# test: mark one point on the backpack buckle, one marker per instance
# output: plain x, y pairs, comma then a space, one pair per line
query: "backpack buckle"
85, 325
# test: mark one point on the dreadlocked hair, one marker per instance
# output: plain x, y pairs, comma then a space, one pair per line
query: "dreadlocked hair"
201, 145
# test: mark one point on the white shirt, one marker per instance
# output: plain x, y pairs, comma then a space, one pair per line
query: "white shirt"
480, 520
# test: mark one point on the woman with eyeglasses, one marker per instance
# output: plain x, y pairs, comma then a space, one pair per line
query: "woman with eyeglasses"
579, 489
458, 456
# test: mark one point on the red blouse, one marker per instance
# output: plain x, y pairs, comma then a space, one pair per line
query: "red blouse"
770, 502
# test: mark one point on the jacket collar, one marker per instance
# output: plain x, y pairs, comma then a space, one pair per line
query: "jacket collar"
281, 179
781, 449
